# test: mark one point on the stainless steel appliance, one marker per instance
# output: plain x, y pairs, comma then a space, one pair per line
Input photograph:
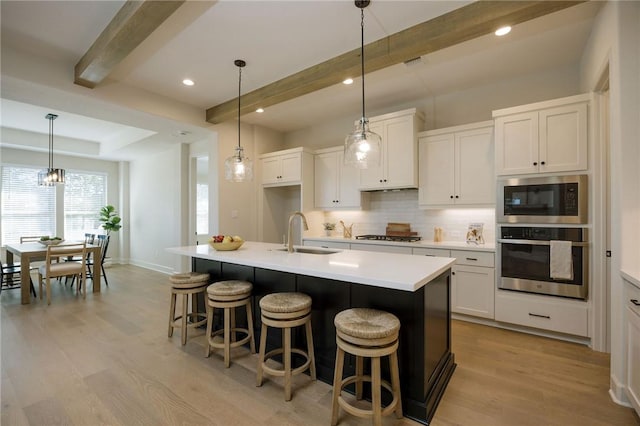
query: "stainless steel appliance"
540, 200
410, 239
525, 260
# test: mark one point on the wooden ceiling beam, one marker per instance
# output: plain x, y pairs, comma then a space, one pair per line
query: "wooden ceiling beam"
463, 24
133, 23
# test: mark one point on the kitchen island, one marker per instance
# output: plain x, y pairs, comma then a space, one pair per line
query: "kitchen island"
414, 288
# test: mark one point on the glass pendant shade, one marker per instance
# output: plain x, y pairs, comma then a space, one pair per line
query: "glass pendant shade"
51, 176
362, 148
238, 167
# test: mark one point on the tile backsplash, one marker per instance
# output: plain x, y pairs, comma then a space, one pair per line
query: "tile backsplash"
402, 206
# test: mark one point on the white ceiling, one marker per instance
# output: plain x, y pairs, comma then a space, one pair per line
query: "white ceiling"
276, 38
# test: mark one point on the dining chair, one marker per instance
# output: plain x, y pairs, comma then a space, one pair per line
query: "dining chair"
53, 269
10, 277
30, 239
103, 242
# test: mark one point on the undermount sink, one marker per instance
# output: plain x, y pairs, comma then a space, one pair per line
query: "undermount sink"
310, 250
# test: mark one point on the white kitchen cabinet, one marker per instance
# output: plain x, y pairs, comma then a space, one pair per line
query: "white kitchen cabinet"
456, 166
282, 167
336, 185
381, 248
633, 345
427, 251
473, 283
399, 160
327, 244
542, 312
546, 137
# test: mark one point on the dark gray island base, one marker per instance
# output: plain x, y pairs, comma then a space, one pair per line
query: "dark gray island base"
425, 358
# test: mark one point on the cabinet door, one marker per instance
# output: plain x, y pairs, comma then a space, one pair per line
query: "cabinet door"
326, 179
475, 175
517, 144
633, 358
436, 155
271, 168
472, 291
348, 182
291, 168
563, 138
373, 176
400, 153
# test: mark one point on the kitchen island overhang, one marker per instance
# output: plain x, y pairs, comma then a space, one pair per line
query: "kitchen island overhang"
414, 288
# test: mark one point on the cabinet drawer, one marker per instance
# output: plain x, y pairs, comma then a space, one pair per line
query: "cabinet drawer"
425, 251
473, 258
547, 313
327, 244
633, 298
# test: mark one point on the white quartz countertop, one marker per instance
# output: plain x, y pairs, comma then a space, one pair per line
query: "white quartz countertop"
632, 276
446, 245
395, 271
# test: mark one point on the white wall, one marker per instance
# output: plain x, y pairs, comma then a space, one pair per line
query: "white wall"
615, 40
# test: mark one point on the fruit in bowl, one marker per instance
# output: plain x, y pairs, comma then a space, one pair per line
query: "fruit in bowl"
226, 242
50, 241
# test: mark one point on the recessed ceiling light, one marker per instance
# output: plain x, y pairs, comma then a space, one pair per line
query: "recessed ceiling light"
348, 81
503, 30
260, 110
188, 82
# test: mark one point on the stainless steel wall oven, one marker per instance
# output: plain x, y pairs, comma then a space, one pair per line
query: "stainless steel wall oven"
525, 258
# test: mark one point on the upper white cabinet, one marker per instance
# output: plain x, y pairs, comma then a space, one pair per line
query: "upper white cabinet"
456, 166
399, 160
282, 167
546, 137
336, 185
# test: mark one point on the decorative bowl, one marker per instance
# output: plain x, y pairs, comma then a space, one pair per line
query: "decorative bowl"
50, 242
234, 245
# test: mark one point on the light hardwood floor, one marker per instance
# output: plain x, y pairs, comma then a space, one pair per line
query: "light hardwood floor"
107, 360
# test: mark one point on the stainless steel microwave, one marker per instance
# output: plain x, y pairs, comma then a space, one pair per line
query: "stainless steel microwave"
552, 199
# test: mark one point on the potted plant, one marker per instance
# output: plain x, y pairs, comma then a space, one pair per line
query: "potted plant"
328, 227
110, 219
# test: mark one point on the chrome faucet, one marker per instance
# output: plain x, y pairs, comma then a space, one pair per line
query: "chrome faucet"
306, 228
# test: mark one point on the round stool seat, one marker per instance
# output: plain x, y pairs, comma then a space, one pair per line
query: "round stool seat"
284, 303
188, 280
366, 323
230, 288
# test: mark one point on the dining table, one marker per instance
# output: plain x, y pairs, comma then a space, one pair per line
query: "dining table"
34, 252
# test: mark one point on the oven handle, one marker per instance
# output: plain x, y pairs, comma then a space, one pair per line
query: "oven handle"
538, 242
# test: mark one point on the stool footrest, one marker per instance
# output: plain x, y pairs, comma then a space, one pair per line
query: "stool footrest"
280, 372
360, 412
220, 345
197, 319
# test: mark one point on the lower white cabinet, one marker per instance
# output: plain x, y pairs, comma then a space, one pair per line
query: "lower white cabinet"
543, 312
473, 283
633, 346
381, 248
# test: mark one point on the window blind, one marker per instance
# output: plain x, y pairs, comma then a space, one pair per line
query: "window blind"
85, 193
27, 209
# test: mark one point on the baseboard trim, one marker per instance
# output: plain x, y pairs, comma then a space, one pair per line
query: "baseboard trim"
617, 392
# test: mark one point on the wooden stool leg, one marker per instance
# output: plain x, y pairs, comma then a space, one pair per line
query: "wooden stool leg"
312, 358
252, 344
359, 376
263, 345
209, 329
227, 336
395, 382
337, 386
172, 312
286, 335
194, 306
376, 391
232, 321
185, 302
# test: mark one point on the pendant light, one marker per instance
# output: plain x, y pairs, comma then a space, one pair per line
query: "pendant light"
238, 167
362, 148
51, 176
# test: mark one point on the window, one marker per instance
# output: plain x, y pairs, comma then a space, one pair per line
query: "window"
27, 209
84, 195
202, 209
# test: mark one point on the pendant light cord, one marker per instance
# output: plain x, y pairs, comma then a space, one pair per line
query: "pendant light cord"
239, 85
50, 143
362, 56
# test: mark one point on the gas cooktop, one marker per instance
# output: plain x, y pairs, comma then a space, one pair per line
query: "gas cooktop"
410, 239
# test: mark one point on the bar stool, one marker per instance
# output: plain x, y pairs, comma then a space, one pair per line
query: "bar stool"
285, 311
373, 334
229, 295
191, 283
